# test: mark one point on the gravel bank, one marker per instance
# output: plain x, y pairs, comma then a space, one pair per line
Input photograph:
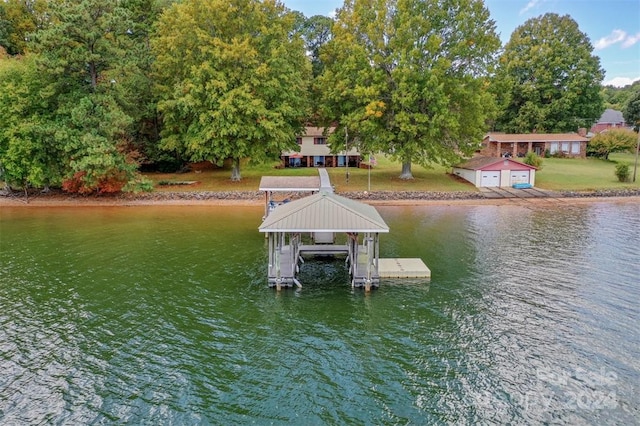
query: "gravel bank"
255, 197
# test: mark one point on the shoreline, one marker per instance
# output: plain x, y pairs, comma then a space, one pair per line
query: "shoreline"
59, 199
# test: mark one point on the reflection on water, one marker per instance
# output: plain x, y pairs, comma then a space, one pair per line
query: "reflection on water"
162, 315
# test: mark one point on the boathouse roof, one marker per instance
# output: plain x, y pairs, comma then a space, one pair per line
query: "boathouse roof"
290, 183
493, 163
324, 212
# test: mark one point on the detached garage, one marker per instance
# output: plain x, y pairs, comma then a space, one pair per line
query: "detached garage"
495, 172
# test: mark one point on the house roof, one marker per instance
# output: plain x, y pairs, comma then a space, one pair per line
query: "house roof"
535, 137
289, 183
317, 131
486, 163
324, 212
611, 116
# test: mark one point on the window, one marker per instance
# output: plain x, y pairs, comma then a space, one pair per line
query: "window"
565, 146
299, 141
575, 147
553, 147
320, 141
294, 162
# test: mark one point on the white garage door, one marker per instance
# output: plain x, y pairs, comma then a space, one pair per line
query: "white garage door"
521, 176
490, 178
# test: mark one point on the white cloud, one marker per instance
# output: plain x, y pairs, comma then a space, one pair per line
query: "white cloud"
616, 36
620, 81
529, 6
631, 40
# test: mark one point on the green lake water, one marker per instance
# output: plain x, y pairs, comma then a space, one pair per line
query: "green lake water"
162, 315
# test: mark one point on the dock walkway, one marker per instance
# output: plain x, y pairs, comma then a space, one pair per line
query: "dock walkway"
508, 192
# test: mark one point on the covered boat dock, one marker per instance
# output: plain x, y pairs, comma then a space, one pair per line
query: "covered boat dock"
307, 227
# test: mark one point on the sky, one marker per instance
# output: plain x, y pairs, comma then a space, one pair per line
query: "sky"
613, 26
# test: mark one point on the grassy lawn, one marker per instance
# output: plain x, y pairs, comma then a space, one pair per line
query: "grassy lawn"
384, 177
220, 179
589, 174
556, 174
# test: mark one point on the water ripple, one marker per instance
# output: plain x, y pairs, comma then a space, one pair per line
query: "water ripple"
531, 317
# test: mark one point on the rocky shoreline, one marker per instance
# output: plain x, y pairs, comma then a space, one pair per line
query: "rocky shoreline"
257, 196
602, 193
356, 195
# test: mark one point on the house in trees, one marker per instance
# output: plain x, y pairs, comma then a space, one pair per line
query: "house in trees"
518, 144
610, 119
314, 151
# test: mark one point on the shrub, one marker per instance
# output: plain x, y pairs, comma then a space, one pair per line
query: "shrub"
109, 183
622, 172
533, 159
614, 140
75, 184
175, 182
140, 184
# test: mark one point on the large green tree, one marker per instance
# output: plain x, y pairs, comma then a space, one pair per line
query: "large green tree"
631, 110
233, 79
316, 32
18, 20
85, 53
549, 79
81, 52
408, 77
134, 77
631, 113
29, 154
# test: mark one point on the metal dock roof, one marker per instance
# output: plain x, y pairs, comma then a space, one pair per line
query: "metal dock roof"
290, 183
324, 212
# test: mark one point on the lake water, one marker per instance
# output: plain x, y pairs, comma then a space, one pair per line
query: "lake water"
162, 315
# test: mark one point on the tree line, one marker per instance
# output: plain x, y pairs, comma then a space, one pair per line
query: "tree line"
93, 91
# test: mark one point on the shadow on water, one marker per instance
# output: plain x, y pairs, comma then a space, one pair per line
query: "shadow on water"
327, 271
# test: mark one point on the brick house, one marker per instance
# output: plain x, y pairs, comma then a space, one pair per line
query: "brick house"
518, 144
610, 119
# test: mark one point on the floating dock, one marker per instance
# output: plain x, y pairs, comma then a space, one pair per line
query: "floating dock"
403, 268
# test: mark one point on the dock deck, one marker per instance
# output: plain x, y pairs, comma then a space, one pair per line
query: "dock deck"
403, 268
